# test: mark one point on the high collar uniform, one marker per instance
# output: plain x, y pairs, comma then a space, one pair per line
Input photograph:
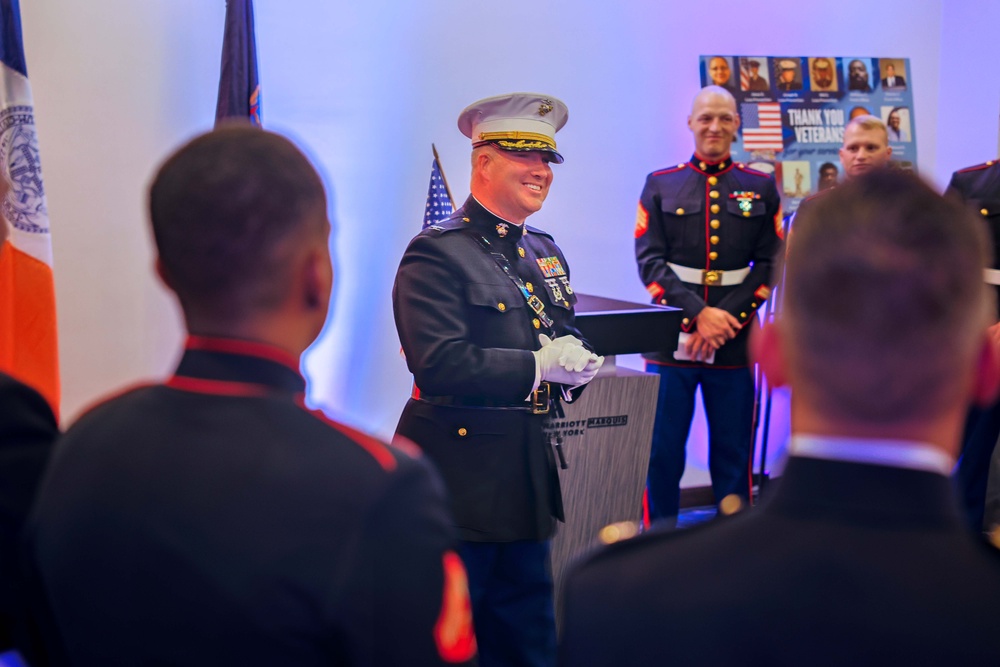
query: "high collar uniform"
846, 563
215, 520
467, 332
708, 216
979, 188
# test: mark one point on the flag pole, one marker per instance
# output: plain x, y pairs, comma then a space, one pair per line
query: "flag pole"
441, 169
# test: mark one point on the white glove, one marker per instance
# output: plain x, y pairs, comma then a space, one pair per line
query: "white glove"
565, 361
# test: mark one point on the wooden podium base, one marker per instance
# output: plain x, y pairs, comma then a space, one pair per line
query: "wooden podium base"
606, 437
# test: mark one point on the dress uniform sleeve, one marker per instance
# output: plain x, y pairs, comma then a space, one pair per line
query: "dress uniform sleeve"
743, 301
433, 323
652, 251
411, 579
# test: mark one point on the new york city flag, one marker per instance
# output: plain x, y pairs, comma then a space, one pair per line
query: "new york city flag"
28, 349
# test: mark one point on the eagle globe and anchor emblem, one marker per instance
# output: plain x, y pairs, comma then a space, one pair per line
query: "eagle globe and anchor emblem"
24, 205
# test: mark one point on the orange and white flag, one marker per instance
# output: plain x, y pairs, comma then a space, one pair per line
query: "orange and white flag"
28, 349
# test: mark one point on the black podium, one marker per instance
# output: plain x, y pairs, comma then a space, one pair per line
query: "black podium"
606, 434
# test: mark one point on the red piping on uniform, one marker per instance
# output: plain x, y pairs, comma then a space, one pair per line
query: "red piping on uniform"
645, 508
247, 348
217, 387
978, 167
668, 171
378, 451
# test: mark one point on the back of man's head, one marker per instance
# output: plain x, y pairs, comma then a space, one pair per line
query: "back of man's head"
884, 309
229, 210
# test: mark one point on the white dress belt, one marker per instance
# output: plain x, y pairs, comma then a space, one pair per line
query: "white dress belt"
712, 278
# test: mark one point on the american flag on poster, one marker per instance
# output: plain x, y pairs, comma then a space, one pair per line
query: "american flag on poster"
439, 205
761, 126
744, 74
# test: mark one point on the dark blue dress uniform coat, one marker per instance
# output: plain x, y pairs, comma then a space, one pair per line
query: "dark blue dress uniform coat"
844, 564
214, 520
716, 217
979, 188
468, 334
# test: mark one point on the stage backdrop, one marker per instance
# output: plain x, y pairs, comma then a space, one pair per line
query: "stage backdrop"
794, 108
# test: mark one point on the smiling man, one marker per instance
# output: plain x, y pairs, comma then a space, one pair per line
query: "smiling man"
484, 310
705, 236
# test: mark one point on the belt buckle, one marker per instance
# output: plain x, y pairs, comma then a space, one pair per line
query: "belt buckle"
540, 399
709, 277
536, 304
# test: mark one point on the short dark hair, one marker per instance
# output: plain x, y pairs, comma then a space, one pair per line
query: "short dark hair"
884, 302
828, 165
223, 208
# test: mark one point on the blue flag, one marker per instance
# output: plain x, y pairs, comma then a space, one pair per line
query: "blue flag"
239, 88
439, 204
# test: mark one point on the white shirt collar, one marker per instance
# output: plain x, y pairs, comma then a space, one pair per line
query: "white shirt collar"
895, 453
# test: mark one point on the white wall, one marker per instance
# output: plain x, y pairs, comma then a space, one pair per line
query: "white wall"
368, 88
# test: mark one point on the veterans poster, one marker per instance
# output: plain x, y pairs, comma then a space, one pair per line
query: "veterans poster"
793, 110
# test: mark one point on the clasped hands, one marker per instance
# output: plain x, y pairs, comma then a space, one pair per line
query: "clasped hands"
566, 361
714, 327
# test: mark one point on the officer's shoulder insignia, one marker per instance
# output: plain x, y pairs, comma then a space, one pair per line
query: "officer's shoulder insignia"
539, 232
448, 224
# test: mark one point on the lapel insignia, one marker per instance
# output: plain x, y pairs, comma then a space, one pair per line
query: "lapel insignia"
551, 267
501, 229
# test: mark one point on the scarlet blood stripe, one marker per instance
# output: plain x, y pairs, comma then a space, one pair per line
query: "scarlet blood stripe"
453, 632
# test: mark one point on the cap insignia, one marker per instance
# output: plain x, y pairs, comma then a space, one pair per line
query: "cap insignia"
545, 107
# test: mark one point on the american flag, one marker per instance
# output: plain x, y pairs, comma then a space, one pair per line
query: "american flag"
744, 74
761, 127
439, 204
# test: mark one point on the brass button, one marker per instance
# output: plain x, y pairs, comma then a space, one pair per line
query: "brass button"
465, 220
713, 255
566, 304
715, 224
746, 214
663, 302
715, 208
743, 315
520, 251
714, 194
714, 240
703, 165
685, 321
538, 325
753, 305
740, 165
501, 306
679, 211
680, 166
990, 163
463, 432
712, 180
984, 211
531, 288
